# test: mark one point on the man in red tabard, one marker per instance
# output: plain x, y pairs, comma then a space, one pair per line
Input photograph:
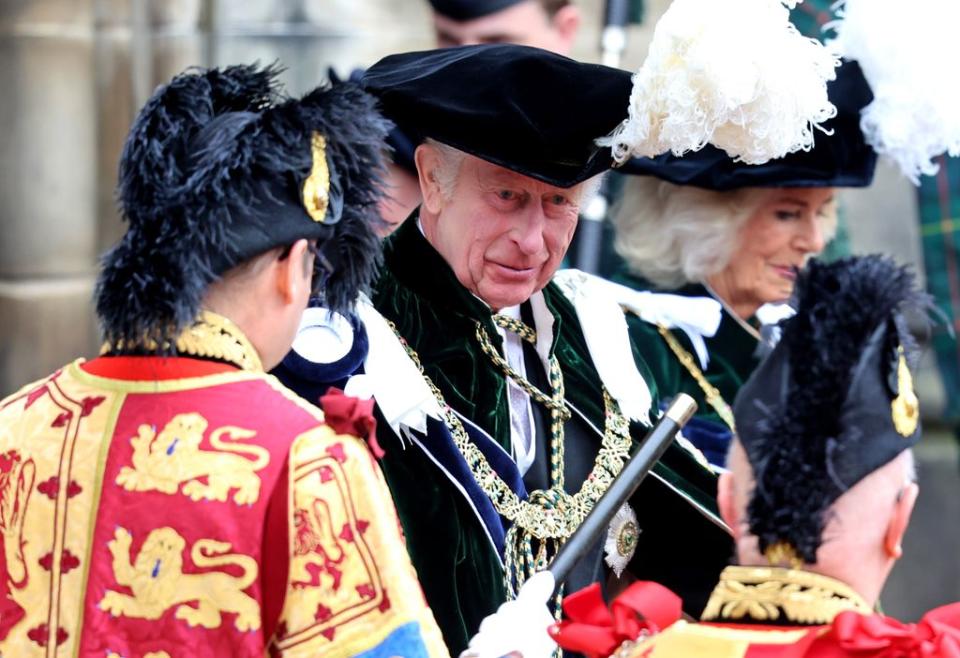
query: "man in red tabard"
169, 498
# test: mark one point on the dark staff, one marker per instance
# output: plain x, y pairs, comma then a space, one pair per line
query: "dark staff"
681, 409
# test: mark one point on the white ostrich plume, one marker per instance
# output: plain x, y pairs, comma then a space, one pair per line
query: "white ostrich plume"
733, 73
908, 54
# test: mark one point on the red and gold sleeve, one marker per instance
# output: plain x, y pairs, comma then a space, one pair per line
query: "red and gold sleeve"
350, 586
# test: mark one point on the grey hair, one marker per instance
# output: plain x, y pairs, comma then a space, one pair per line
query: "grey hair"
451, 159
677, 234
448, 168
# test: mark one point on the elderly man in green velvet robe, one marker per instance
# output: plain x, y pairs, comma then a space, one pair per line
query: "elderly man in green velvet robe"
538, 395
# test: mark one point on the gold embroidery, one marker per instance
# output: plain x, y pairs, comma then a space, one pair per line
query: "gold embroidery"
550, 516
905, 408
165, 461
627, 539
316, 189
685, 639
16, 483
711, 393
782, 554
767, 593
212, 336
315, 542
158, 583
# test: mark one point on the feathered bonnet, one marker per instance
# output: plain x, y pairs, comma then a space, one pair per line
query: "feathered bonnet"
839, 157
833, 401
220, 167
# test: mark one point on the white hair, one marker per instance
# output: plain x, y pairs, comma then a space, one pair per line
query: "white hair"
451, 159
448, 167
677, 234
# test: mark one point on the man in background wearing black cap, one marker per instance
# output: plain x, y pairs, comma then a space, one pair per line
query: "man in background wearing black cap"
533, 398
169, 498
819, 494
548, 24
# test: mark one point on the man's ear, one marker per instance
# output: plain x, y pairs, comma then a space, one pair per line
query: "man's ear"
427, 160
291, 274
899, 520
727, 503
566, 22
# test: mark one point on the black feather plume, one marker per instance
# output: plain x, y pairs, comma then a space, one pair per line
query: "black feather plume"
210, 176
798, 443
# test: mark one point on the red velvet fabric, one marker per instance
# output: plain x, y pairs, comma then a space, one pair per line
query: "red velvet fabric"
596, 631
349, 415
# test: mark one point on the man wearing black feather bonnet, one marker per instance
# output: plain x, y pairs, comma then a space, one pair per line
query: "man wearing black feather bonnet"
169, 498
819, 495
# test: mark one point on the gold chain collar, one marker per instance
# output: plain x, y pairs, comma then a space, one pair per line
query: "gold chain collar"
746, 326
771, 594
711, 393
551, 516
212, 336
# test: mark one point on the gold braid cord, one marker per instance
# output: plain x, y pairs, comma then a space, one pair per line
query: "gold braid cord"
711, 393
212, 336
547, 518
771, 593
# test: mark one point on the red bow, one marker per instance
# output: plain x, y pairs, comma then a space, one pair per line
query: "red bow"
349, 415
936, 634
595, 630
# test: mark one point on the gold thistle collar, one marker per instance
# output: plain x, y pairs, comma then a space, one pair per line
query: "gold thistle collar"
779, 596
211, 336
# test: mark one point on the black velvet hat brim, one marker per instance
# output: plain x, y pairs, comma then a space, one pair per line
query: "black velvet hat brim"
528, 110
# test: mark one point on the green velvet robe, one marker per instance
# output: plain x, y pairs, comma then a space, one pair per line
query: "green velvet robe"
681, 543
732, 350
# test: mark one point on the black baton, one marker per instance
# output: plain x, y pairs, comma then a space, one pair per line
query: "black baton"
656, 442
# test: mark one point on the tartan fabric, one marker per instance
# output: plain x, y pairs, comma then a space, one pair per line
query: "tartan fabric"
810, 17
938, 202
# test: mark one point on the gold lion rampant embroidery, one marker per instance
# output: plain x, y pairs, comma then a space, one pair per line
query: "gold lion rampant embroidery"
165, 461
158, 583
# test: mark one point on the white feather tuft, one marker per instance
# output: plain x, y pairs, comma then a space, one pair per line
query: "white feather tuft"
735, 74
908, 55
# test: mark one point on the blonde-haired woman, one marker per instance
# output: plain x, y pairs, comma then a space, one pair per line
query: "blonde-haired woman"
704, 227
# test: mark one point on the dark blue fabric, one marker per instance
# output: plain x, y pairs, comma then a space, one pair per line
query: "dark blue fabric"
311, 380
439, 444
710, 438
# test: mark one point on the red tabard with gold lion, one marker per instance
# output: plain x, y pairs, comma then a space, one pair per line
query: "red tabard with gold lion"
174, 507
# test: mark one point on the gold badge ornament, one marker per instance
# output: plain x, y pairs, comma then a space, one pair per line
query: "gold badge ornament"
905, 408
316, 189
